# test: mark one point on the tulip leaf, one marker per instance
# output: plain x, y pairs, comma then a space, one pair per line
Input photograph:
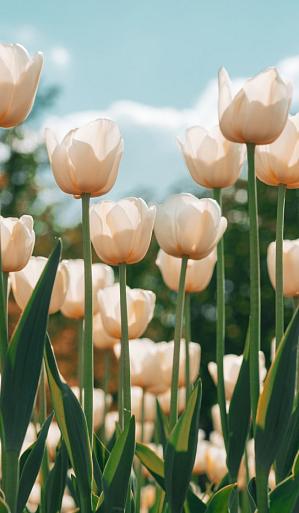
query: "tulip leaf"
23, 361
289, 446
56, 481
72, 424
251, 493
4, 508
180, 452
162, 424
117, 471
194, 504
239, 416
277, 398
219, 503
152, 462
30, 463
285, 496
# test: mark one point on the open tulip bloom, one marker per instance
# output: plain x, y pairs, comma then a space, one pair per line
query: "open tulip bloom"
95, 442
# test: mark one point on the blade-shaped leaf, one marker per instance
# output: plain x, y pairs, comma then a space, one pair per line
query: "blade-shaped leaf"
289, 447
162, 425
285, 496
194, 504
251, 492
56, 481
30, 464
276, 400
220, 501
239, 416
180, 452
72, 424
117, 472
4, 508
152, 462
24, 360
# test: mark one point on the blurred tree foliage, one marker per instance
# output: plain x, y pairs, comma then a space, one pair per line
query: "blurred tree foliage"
20, 167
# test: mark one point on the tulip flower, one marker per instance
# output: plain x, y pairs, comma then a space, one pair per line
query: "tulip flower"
23, 283
17, 242
86, 161
165, 397
137, 397
232, 365
189, 227
20, 75
151, 364
257, 114
101, 339
102, 276
290, 266
141, 304
212, 160
148, 428
198, 274
121, 232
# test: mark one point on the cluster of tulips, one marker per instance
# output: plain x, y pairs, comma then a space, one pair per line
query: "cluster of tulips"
144, 455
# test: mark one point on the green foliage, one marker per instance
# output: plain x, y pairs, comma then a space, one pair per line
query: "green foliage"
285, 496
56, 481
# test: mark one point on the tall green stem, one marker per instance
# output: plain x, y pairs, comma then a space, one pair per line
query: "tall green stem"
187, 342
255, 287
10, 478
279, 305
3, 314
88, 378
177, 343
125, 352
262, 491
106, 381
42, 396
81, 361
220, 330
139, 466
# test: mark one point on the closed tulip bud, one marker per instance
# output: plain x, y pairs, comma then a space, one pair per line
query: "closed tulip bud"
151, 364
231, 366
140, 307
201, 453
18, 85
188, 226
278, 163
198, 275
149, 404
23, 283
112, 419
73, 305
258, 113
164, 400
101, 339
216, 467
290, 265
17, 242
87, 159
212, 160
216, 418
121, 232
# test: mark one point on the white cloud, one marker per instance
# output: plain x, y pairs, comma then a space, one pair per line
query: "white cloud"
60, 56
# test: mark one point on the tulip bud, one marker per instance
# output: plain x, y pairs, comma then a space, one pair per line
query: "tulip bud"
188, 226
164, 400
102, 276
216, 467
101, 339
198, 275
17, 242
231, 366
112, 419
278, 163
290, 264
121, 232
151, 364
212, 160
140, 307
23, 283
87, 159
19, 80
258, 113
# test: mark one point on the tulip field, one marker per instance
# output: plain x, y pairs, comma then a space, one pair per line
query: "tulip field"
142, 449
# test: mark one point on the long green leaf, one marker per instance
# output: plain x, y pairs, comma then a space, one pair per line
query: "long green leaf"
194, 504
276, 401
162, 425
239, 416
30, 464
152, 462
56, 481
289, 447
116, 475
285, 496
180, 452
220, 501
24, 360
72, 424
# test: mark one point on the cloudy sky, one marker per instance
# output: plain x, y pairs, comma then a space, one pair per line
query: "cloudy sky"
152, 67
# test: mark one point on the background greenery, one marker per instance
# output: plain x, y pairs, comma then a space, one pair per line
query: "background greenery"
20, 194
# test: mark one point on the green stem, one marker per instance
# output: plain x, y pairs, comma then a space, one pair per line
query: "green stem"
187, 342
3, 315
88, 377
255, 287
42, 396
177, 344
10, 478
139, 466
262, 491
125, 352
279, 305
120, 390
81, 361
220, 336
107, 366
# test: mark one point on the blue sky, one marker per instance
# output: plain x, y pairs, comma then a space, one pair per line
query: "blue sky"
152, 66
